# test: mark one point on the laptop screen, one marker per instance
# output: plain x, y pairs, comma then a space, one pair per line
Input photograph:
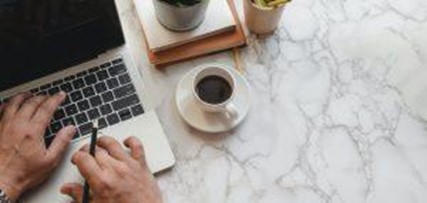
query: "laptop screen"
40, 37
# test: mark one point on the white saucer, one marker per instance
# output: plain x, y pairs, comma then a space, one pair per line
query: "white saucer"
211, 122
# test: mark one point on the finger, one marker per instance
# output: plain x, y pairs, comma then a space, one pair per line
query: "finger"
113, 147
74, 190
46, 110
61, 142
14, 104
137, 150
87, 165
30, 106
101, 156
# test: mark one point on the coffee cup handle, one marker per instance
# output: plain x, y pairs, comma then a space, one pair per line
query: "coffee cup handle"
231, 111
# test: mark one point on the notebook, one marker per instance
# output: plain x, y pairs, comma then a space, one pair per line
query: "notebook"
160, 38
208, 45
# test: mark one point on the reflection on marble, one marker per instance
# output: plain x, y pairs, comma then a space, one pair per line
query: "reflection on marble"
339, 110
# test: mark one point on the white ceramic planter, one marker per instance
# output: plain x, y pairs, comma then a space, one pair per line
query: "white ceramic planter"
180, 18
260, 20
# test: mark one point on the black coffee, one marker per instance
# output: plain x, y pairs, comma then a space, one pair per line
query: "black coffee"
214, 89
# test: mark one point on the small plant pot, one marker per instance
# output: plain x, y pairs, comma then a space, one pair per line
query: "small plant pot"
261, 20
180, 18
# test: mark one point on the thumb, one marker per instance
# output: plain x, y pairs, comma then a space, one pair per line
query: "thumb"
73, 190
61, 142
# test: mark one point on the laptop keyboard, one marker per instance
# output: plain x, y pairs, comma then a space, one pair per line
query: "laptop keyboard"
105, 93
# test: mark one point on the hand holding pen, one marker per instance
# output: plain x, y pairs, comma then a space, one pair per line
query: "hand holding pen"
113, 174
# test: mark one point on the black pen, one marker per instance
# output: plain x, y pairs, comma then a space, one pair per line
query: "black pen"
92, 152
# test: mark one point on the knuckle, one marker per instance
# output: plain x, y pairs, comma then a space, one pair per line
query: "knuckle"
44, 109
104, 182
122, 169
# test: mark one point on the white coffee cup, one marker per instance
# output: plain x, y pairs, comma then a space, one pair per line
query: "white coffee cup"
226, 106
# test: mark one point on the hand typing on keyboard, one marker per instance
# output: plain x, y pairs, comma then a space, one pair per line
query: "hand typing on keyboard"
25, 161
113, 175
27, 157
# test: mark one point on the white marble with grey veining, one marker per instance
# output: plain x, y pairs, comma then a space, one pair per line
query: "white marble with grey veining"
339, 110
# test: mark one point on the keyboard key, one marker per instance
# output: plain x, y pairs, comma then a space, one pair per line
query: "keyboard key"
59, 114
102, 75
71, 110
66, 87
113, 119
106, 109
117, 70
55, 127
137, 110
57, 82
45, 87
81, 74
85, 129
53, 90
90, 79
105, 65
93, 114
88, 91
94, 69
68, 121
81, 118
100, 87
70, 78
112, 83
34, 91
124, 79
76, 96
125, 114
95, 101
125, 102
117, 61
83, 105
79, 83
107, 97
67, 101
124, 91
102, 123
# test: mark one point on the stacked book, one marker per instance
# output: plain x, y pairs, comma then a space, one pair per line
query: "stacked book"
220, 30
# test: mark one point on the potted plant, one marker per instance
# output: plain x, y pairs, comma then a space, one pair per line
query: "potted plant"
180, 15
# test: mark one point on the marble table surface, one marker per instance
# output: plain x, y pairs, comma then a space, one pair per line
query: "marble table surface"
339, 109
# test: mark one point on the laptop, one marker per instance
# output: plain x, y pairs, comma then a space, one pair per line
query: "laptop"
77, 46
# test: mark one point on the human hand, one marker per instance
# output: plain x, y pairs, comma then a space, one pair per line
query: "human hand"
24, 160
113, 175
